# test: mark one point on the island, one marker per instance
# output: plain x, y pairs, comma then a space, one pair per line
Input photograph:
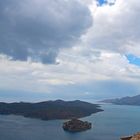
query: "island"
76, 125
50, 110
134, 100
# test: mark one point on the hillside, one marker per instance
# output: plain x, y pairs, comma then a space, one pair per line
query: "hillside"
49, 110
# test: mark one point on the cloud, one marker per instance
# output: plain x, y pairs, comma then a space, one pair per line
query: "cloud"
38, 29
97, 63
114, 28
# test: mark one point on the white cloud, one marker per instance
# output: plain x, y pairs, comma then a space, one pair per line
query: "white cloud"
115, 27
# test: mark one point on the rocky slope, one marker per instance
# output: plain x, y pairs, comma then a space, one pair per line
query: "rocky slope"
134, 137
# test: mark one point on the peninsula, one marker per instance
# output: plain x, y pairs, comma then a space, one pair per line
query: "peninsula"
50, 110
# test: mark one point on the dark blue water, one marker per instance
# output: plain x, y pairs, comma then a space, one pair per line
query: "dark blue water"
114, 122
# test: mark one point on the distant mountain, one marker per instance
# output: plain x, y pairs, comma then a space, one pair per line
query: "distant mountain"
49, 110
134, 100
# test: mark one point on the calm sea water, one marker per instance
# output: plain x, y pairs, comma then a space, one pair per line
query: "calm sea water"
114, 122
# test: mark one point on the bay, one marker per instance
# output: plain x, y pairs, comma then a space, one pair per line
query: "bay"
115, 121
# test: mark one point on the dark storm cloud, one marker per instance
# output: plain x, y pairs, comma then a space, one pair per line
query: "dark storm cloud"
37, 29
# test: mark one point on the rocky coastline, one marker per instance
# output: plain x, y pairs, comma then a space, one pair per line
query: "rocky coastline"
134, 137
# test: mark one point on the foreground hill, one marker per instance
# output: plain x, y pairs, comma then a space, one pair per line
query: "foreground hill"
134, 100
49, 110
134, 137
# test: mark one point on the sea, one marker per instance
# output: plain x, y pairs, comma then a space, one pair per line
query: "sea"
111, 124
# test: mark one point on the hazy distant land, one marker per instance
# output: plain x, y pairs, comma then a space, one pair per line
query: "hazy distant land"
50, 110
134, 100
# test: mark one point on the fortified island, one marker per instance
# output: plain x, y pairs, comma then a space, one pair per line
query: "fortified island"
76, 125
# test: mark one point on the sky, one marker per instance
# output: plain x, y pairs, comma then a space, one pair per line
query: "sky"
69, 49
